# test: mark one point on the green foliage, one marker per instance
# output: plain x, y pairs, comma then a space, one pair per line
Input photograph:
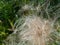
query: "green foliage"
8, 10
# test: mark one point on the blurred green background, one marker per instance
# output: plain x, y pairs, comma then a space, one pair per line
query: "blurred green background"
8, 14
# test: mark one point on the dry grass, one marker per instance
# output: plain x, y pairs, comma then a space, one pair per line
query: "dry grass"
34, 29
37, 31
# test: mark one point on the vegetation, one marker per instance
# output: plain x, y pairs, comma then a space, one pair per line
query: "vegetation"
11, 10
8, 10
